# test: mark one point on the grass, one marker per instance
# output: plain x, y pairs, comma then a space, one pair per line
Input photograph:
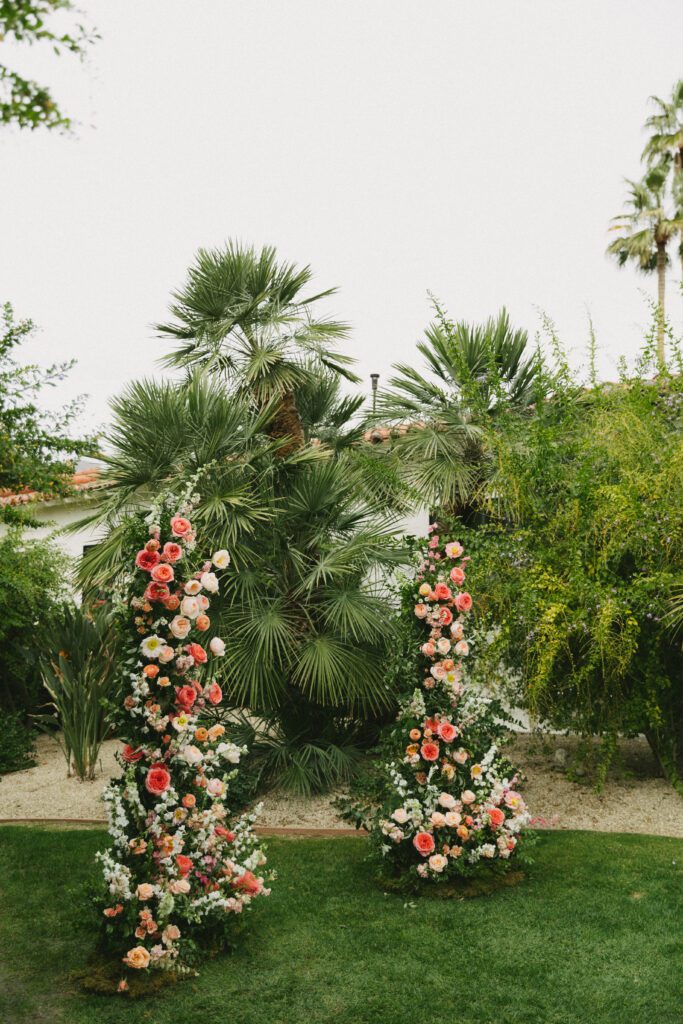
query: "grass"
593, 935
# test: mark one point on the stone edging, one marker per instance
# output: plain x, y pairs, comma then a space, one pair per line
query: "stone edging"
262, 830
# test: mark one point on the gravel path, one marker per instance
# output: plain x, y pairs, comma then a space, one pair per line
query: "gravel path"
634, 798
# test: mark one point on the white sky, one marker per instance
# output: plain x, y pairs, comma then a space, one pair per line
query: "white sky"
476, 149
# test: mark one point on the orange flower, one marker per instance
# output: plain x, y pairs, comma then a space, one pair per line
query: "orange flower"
201, 734
163, 681
411, 749
415, 734
189, 800
138, 958
215, 731
151, 671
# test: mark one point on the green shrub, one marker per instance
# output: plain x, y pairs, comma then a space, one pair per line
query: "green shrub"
16, 750
79, 673
33, 577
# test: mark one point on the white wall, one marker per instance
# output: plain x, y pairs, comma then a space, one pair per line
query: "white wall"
56, 515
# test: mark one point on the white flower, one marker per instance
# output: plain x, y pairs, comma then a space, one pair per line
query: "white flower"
152, 646
487, 850
462, 648
443, 645
191, 754
447, 800
209, 581
229, 751
189, 606
215, 787
400, 815
217, 646
221, 559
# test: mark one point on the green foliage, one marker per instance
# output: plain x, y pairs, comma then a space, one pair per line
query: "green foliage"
36, 449
471, 374
578, 569
79, 673
17, 747
33, 577
24, 102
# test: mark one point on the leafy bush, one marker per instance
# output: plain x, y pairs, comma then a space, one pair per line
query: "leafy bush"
584, 554
32, 588
16, 751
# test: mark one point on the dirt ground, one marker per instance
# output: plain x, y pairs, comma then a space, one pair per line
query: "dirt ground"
634, 798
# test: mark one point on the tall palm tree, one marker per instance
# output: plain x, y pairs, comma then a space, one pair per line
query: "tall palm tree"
244, 315
646, 228
471, 373
664, 147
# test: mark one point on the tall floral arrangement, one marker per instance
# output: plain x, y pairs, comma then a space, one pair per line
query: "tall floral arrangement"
448, 802
178, 873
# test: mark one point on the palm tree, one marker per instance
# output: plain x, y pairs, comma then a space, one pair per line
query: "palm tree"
645, 230
243, 315
440, 412
664, 148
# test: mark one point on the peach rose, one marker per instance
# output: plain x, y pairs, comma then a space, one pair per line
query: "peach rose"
180, 887
172, 552
171, 933
202, 622
162, 573
447, 732
457, 575
467, 796
180, 526
144, 891
438, 862
180, 627
138, 957
221, 559
189, 607
216, 730
421, 611
463, 601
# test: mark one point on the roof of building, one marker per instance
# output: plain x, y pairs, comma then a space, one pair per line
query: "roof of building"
82, 480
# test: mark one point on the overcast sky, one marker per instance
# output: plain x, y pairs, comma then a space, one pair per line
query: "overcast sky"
476, 149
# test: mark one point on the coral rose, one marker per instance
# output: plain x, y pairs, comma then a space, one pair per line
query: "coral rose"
180, 527
157, 592
202, 622
138, 957
158, 780
146, 560
130, 755
446, 615
189, 800
172, 603
214, 693
496, 816
224, 833
424, 843
184, 864
185, 696
463, 601
247, 883
429, 751
457, 575
442, 592
197, 653
162, 573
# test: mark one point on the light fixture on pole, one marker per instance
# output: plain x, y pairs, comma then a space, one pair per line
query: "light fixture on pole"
374, 378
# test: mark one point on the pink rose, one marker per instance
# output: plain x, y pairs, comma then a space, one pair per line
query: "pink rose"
214, 694
447, 732
172, 552
454, 549
457, 575
463, 601
462, 648
428, 649
442, 592
429, 751
180, 526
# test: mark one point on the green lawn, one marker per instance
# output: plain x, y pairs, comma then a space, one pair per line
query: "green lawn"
594, 935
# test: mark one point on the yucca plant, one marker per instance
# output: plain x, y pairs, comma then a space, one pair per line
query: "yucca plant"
79, 674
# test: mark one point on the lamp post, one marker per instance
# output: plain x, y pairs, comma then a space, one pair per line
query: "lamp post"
374, 378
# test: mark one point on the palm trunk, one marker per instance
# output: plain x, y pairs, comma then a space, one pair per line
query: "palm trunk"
286, 423
661, 287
